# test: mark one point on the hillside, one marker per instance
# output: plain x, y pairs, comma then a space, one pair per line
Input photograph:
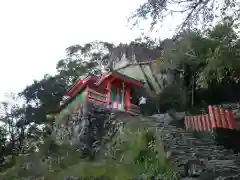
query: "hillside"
145, 147
126, 154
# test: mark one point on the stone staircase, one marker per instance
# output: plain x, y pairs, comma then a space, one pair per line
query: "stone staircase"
219, 163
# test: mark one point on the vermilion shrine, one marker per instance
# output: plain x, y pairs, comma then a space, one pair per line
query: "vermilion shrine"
112, 90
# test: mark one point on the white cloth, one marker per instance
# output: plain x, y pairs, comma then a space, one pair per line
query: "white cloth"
142, 100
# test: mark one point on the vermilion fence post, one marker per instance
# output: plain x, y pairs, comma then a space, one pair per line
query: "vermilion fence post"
195, 122
218, 117
233, 120
223, 118
204, 123
209, 123
189, 122
230, 119
200, 118
186, 122
192, 122
212, 116
198, 123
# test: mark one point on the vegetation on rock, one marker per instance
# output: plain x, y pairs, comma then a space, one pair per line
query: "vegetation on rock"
133, 151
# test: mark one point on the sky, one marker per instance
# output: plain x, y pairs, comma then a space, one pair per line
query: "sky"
35, 33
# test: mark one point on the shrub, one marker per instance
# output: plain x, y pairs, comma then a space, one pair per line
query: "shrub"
133, 151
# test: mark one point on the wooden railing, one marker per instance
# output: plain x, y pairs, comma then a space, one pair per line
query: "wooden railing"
96, 97
216, 118
101, 99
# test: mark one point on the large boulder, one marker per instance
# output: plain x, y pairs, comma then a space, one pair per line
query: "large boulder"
168, 118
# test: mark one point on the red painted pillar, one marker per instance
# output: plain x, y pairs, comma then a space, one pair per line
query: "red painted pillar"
118, 97
86, 95
127, 98
108, 93
61, 116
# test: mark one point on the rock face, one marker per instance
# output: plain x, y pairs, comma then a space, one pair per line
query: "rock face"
85, 130
211, 162
80, 129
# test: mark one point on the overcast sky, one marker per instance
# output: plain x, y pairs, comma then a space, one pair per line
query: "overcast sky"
35, 33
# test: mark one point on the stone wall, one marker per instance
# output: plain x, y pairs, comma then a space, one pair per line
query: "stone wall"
215, 162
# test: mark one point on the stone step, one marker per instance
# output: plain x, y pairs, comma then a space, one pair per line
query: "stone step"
220, 162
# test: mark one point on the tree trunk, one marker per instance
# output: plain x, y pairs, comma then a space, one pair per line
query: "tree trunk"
147, 80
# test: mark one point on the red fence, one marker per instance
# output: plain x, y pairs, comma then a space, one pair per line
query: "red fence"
217, 118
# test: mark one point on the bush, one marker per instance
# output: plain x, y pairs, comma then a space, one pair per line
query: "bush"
133, 151
172, 97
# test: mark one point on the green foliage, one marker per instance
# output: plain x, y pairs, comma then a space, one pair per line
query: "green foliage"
208, 62
51, 158
213, 56
132, 152
193, 13
43, 96
172, 97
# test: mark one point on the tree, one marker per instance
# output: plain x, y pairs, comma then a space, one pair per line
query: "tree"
43, 96
207, 58
222, 59
199, 12
91, 57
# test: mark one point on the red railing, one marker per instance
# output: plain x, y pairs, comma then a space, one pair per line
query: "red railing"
217, 118
96, 97
99, 98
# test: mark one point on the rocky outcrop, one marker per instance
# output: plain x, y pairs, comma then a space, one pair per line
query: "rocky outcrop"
85, 131
215, 162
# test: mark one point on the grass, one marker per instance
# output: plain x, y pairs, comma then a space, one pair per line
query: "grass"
133, 151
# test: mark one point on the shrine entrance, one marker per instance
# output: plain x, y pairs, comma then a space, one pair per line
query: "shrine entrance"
117, 99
